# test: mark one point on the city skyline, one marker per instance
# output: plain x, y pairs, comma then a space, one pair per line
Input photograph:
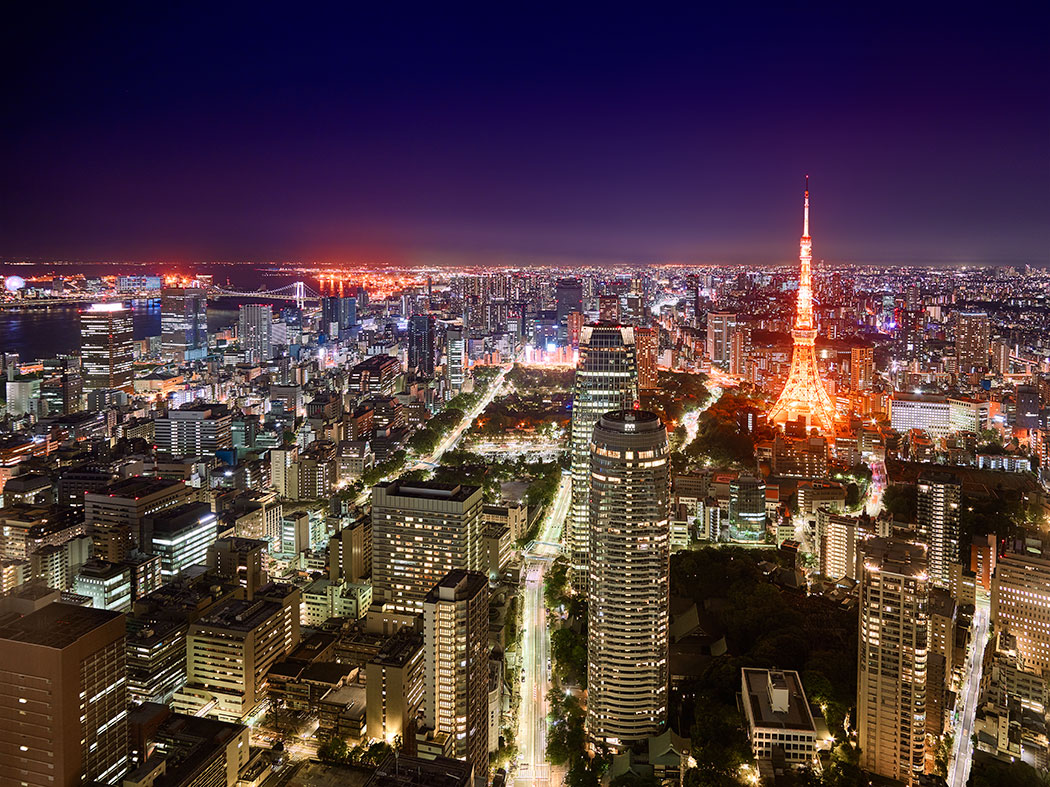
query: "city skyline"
358, 138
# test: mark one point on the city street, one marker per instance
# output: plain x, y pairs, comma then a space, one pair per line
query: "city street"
962, 749
533, 768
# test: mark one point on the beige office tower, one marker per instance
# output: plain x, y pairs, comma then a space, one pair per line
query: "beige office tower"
862, 368
63, 708
630, 531
1021, 605
421, 531
606, 380
456, 685
892, 657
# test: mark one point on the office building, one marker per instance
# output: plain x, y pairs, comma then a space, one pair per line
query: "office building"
194, 430
107, 348
350, 552
861, 368
184, 323
972, 341
568, 299
892, 658
747, 507
920, 411
778, 716
188, 751
606, 379
230, 650
108, 585
627, 610
911, 336
338, 316
420, 532
939, 497
255, 330
456, 684
1020, 604
720, 329
394, 686
455, 359
240, 559
647, 347
156, 659
376, 375
63, 713
181, 537
421, 344
115, 514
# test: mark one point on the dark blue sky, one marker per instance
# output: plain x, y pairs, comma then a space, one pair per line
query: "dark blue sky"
521, 132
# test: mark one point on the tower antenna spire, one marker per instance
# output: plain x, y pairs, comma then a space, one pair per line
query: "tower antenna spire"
805, 211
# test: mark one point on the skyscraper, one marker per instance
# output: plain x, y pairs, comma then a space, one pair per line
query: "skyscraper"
107, 348
862, 368
720, 329
627, 609
568, 298
1020, 600
747, 507
804, 394
939, 495
421, 531
455, 358
891, 658
338, 315
63, 713
183, 322
456, 685
972, 341
421, 344
255, 329
606, 379
647, 341
911, 335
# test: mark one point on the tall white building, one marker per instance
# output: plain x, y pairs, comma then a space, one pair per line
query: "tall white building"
720, 329
891, 658
606, 380
627, 609
420, 532
255, 329
107, 347
184, 322
939, 496
456, 680
455, 358
1021, 605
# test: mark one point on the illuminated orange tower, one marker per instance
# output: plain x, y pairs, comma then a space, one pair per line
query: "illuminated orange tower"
804, 393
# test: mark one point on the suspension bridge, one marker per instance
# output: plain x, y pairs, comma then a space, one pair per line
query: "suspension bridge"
296, 291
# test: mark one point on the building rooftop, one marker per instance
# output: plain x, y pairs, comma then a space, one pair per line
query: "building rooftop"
403, 771
776, 699
399, 649
238, 615
136, 487
895, 555
429, 490
188, 516
57, 625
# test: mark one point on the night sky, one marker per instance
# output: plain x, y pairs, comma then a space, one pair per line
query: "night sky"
517, 133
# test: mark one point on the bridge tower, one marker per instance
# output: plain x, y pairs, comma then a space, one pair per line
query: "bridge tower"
300, 294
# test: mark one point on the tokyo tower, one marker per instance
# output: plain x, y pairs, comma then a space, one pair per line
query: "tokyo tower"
804, 393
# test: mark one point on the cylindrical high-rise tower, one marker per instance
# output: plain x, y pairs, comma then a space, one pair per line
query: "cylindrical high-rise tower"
606, 379
627, 610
